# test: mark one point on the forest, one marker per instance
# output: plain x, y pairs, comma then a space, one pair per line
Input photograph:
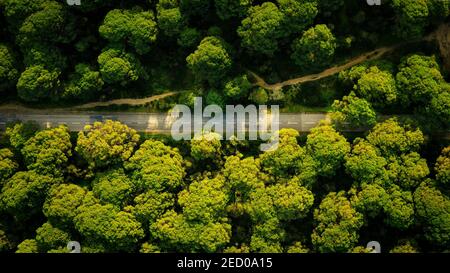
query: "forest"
377, 170
115, 190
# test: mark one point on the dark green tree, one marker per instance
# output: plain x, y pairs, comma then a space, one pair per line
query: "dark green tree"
37, 83
262, 28
9, 73
315, 48
211, 61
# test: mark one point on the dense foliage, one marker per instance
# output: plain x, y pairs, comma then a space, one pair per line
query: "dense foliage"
361, 175
51, 52
328, 193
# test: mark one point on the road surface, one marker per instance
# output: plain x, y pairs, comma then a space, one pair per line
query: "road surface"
142, 122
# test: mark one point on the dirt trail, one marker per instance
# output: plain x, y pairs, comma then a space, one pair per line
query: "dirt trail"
130, 102
372, 55
441, 35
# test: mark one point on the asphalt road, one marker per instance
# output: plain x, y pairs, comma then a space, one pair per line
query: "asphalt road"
142, 122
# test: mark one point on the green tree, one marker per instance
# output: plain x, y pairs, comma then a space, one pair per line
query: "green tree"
204, 201
237, 87
206, 146
214, 97
61, 204
407, 170
297, 247
151, 205
149, 248
120, 67
19, 133
391, 138
438, 10
48, 151
242, 176
328, 148
364, 163
28, 246
9, 74
353, 110
189, 37
315, 48
337, 224
113, 187
370, 200
6, 244
399, 208
289, 159
50, 237
136, 27
404, 247
433, 210
37, 83
260, 207
170, 19
298, 14
437, 112
103, 224
259, 96
211, 60
267, 237
51, 23
262, 28
24, 193
377, 86
84, 84
16, 11
419, 79
47, 55
8, 166
291, 201
227, 9
105, 144
411, 17
178, 234
156, 166
442, 167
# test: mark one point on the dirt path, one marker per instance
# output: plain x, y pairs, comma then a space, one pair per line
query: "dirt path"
372, 55
130, 102
441, 35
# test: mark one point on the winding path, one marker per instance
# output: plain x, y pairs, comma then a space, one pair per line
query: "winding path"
369, 56
441, 35
130, 102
